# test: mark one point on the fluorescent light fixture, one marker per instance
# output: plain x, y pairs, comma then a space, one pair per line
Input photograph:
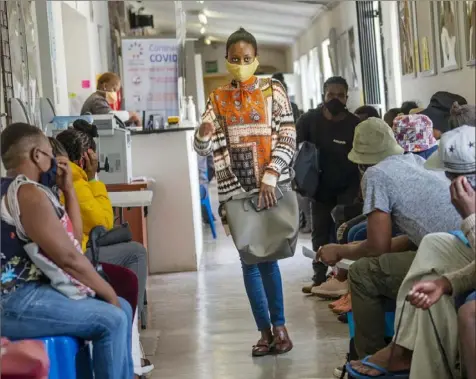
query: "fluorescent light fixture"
200, 2
207, 41
203, 30
202, 18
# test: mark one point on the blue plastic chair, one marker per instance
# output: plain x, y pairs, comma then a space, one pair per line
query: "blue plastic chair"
63, 353
205, 202
389, 324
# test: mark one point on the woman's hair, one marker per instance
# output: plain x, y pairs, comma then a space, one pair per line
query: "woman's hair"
108, 78
78, 139
239, 36
462, 115
367, 110
407, 106
58, 148
391, 115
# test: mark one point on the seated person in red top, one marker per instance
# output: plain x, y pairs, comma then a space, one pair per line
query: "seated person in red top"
31, 307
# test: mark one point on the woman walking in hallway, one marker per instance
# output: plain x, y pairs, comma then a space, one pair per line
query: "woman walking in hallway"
248, 126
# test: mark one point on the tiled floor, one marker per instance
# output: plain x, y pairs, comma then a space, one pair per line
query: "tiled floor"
207, 329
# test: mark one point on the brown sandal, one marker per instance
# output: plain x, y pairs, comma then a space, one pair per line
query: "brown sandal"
282, 342
263, 347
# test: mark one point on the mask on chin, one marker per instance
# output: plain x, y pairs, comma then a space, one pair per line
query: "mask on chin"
48, 178
335, 107
111, 97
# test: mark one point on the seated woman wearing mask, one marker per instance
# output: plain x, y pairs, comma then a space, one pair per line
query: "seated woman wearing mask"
78, 145
106, 94
239, 123
31, 307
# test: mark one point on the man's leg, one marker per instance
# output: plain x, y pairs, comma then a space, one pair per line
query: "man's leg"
467, 333
370, 280
305, 208
437, 254
131, 255
321, 228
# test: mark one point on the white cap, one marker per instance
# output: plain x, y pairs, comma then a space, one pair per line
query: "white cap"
456, 152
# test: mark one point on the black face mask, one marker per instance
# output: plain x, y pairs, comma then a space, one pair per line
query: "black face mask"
335, 107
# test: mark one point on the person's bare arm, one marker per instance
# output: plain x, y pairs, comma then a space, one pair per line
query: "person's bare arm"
379, 239
42, 226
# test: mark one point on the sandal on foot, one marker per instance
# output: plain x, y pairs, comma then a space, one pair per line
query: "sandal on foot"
385, 374
282, 342
262, 348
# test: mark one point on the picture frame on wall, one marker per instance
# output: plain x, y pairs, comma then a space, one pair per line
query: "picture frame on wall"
406, 29
469, 12
425, 51
447, 35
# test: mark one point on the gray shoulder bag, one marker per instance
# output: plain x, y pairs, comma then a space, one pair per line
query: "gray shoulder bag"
264, 235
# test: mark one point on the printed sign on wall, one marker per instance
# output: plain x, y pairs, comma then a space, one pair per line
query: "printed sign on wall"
150, 77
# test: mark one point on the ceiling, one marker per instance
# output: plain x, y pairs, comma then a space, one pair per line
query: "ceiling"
274, 23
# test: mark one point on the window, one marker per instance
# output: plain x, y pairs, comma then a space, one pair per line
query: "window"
326, 59
314, 78
304, 82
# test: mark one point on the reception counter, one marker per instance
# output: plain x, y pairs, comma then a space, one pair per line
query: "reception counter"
174, 224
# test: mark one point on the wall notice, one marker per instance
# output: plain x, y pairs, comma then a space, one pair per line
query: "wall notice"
150, 75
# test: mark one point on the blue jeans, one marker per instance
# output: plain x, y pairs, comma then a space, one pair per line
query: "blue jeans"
265, 291
37, 310
357, 232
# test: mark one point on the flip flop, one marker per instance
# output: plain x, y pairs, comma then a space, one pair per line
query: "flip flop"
385, 374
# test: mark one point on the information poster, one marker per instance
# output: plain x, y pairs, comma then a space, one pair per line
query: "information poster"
150, 75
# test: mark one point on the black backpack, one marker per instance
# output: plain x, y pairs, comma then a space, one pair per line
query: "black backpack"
306, 168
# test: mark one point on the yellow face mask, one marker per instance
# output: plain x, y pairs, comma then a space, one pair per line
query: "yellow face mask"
111, 97
242, 73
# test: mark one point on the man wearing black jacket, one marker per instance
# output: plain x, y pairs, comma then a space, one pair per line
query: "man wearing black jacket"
331, 128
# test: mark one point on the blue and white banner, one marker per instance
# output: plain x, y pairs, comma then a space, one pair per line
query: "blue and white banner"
150, 75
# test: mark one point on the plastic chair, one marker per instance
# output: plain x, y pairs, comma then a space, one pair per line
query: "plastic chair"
62, 353
389, 324
205, 202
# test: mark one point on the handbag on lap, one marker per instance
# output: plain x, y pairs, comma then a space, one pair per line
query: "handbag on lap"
268, 234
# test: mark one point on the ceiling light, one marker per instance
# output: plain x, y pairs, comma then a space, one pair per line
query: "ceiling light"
207, 41
203, 30
202, 18
200, 2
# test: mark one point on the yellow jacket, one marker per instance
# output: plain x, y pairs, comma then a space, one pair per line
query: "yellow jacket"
94, 203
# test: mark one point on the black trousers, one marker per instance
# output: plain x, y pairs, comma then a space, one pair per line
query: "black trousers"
323, 227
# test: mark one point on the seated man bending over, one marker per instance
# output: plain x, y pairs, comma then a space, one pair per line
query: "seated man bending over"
397, 191
438, 255
31, 307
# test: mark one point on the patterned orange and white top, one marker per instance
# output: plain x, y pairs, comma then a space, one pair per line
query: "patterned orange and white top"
254, 138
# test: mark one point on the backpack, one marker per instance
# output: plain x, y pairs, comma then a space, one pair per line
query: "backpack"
306, 168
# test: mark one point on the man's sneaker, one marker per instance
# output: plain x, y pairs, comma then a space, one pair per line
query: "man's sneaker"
332, 289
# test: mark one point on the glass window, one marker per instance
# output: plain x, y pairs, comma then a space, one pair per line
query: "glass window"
326, 59
304, 82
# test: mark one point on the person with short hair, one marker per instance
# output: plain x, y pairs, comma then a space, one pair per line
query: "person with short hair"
447, 258
99, 102
408, 106
391, 115
462, 115
31, 307
366, 111
249, 128
330, 128
396, 192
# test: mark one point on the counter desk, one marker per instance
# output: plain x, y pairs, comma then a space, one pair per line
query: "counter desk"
174, 224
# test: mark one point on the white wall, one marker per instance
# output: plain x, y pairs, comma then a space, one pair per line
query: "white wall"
342, 17
267, 56
53, 52
400, 88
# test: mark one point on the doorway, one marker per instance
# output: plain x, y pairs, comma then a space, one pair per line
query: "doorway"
369, 18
